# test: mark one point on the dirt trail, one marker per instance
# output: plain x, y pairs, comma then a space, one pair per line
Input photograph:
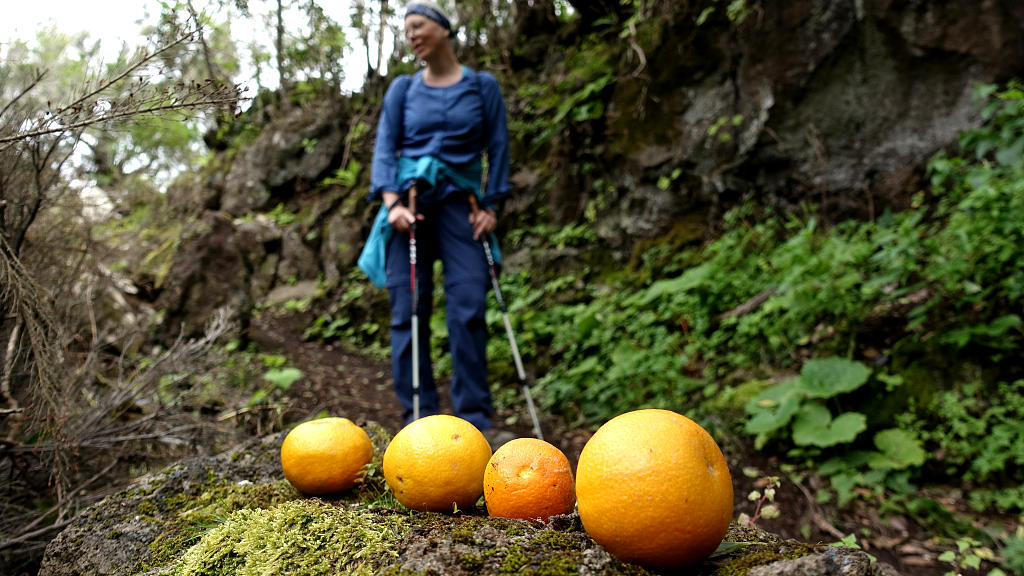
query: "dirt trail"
347, 383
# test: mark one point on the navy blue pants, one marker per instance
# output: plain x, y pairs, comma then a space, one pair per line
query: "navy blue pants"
444, 234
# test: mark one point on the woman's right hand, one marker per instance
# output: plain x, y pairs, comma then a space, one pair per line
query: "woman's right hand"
401, 218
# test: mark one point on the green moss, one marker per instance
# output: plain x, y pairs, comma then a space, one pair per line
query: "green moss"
165, 548
471, 562
557, 566
301, 537
535, 561
515, 560
788, 550
466, 527
188, 515
219, 498
556, 540
665, 250
146, 508
732, 399
511, 528
465, 532
114, 534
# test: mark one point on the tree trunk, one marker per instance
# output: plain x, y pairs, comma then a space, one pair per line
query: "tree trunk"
282, 90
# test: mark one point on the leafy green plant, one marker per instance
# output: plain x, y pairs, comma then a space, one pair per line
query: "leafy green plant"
279, 375
977, 428
969, 554
346, 177
665, 182
352, 318
865, 471
722, 128
575, 98
1013, 552
281, 216
766, 507
736, 10
799, 401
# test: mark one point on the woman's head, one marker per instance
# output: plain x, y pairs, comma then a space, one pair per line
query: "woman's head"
426, 28
429, 10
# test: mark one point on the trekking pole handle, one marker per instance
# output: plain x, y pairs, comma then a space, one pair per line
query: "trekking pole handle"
412, 199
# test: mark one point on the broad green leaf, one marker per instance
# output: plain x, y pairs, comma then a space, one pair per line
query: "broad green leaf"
845, 484
1011, 154
688, 280
947, 556
814, 426
898, 449
588, 364
852, 460
257, 397
773, 408
828, 377
283, 378
846, 427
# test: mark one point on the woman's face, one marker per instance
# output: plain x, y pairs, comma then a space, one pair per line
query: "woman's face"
424, 35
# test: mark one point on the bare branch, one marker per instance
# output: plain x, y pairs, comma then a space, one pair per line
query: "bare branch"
26, 90
92, 107
174, 106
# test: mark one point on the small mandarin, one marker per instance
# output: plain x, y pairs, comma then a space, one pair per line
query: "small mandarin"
528, 479
325, 456
653, 488
437, 463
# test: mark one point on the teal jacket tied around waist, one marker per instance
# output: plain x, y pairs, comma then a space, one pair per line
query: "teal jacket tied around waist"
439, 180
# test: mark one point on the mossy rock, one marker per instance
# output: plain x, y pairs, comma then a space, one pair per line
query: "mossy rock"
235, 514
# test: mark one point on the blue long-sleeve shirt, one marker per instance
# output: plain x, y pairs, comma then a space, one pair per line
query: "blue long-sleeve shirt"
453, 124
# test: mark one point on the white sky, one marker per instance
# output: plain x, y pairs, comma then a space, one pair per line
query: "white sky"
115, 22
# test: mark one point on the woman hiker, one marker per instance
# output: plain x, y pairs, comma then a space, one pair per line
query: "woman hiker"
434, 128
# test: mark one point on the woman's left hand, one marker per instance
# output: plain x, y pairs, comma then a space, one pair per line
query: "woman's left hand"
483, 222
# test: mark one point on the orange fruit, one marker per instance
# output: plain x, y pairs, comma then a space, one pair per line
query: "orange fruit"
436, 463
325, 456
528, 479
653, 488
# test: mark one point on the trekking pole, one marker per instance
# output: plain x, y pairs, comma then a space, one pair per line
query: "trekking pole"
508, 328
415, 309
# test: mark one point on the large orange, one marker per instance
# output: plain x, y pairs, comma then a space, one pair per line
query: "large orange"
325, 456
436, 463
528, 479
653, 488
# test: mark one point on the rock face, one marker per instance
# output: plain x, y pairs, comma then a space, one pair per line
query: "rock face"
838, 103
212, 271
173, 517
296, 149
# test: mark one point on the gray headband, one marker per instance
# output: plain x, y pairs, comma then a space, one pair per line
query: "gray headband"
430, 12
